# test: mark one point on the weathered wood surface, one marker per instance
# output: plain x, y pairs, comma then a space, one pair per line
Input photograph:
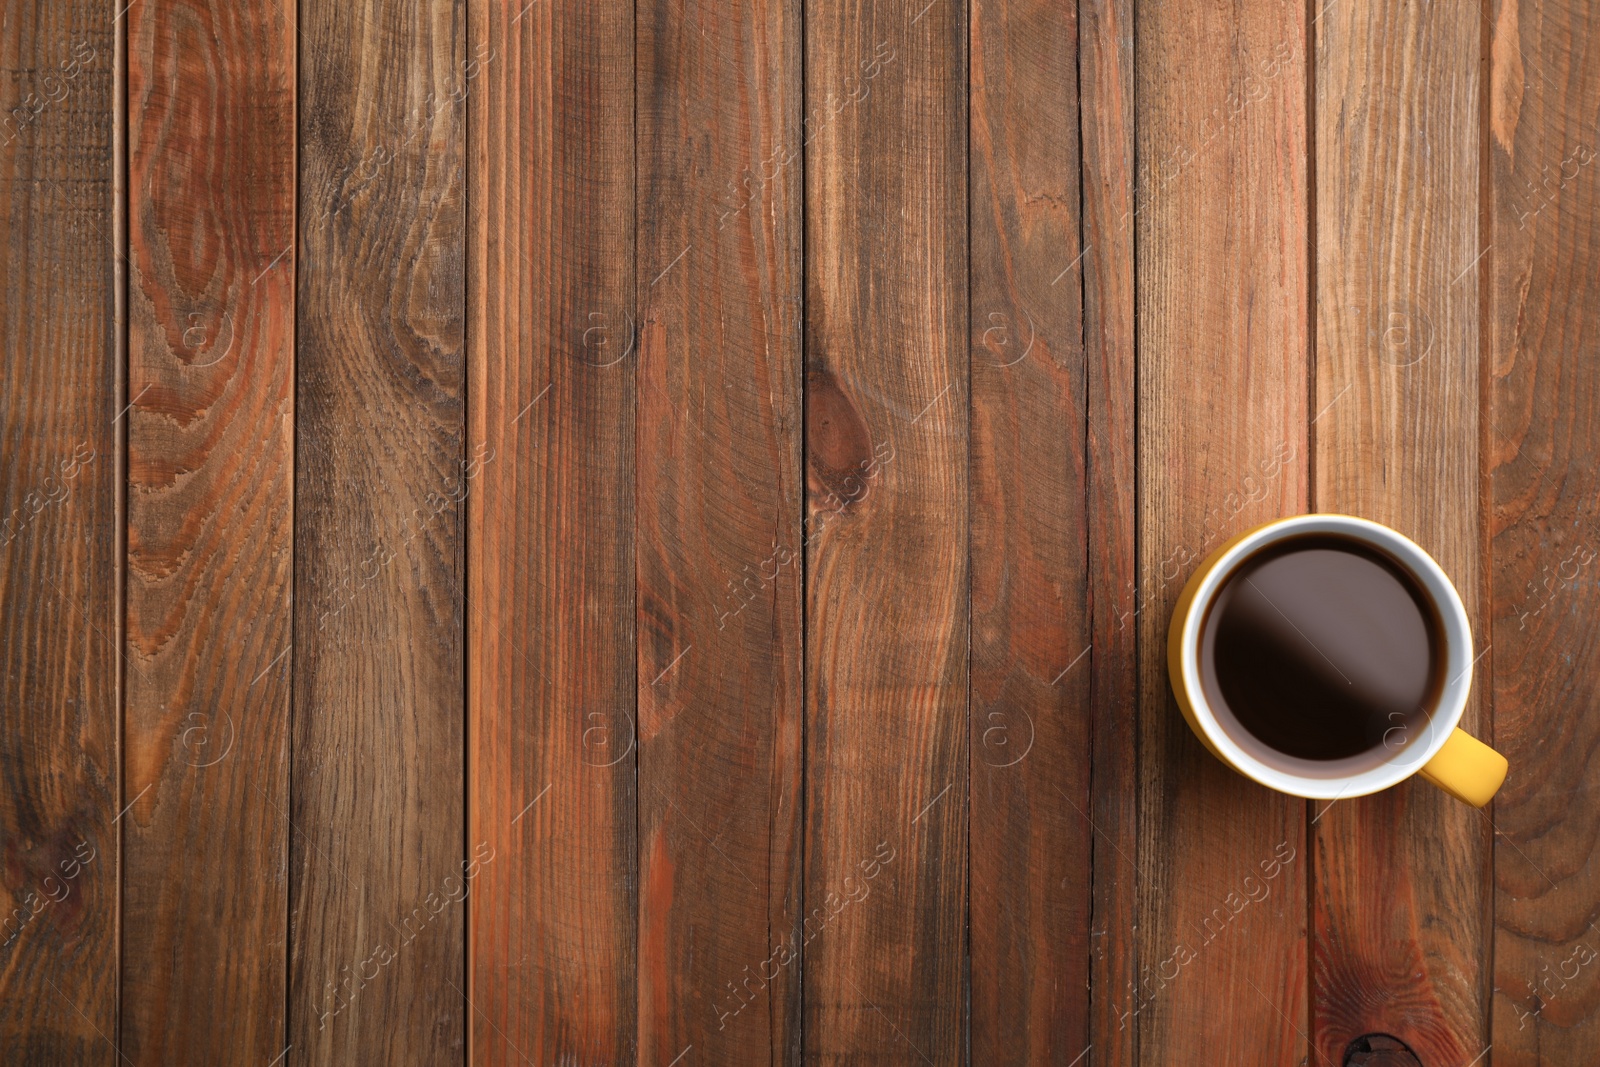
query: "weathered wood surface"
1030, 714
378, 866
644, 533
719, 531
1106, 121
553, 336
1219, 210
1541, 281
885, 888
1399, 941
211, 222
60, 618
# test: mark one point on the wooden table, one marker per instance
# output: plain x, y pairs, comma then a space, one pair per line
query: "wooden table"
595, 533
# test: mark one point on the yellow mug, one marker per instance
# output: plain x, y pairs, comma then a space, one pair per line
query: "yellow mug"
1445, 755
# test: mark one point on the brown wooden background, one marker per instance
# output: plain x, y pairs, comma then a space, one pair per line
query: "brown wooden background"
581, 533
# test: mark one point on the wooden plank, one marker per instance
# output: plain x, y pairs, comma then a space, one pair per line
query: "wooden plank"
1220, 212
59, 540
1542, 295
553, 329
1031, 622
719, 531
1106, 83
377, 852
886, 547
210, 528
1400, 893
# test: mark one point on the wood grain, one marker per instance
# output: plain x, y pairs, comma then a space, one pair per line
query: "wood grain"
719, 531
1031, 623
211, 139
1220, 214
886, 547
1542, 280
551, 670
1399, 896
59, 542
378, 866
491, 688
1106, 122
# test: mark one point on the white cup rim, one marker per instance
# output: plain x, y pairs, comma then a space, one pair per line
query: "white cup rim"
1409, 757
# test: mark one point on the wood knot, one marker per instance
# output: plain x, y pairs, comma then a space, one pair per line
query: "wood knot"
839, 454
1379, 1050
42, 877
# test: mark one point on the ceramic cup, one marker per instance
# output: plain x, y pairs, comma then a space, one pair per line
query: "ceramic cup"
1444, 754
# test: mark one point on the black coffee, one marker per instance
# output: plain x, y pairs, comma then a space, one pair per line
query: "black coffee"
1322, 656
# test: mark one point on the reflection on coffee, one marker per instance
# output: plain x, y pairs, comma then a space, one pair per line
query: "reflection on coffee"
1322, 656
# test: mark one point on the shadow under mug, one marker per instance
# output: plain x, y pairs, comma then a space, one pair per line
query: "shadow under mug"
1445, 755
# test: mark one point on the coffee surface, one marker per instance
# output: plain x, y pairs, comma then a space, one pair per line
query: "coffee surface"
1321, 655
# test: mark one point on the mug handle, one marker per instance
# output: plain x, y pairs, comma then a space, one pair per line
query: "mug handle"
1467, 769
